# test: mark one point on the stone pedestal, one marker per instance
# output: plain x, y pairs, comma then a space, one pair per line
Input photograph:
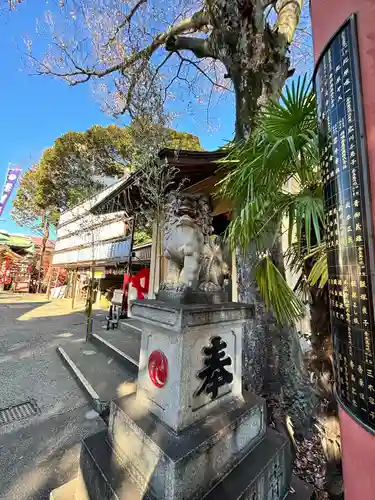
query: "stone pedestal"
188, 425
182, 333
166, 465
187, 432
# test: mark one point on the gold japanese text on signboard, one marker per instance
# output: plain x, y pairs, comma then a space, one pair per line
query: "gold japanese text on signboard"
348, 226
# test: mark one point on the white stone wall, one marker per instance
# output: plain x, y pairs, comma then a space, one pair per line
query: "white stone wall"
85, 237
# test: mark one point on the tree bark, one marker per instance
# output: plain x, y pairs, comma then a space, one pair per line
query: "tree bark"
273, 364
254, 54
43, 248
257, 63
321, 365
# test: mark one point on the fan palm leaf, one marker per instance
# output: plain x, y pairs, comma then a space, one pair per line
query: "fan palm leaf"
277, 293
319, 272
282, 151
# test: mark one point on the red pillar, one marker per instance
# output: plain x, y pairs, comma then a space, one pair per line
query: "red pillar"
358, 441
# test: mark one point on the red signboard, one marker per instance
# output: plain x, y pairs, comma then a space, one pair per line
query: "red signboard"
141, 282
5, 273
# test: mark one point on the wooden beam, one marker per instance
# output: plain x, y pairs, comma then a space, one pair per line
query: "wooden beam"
221, 206
205, 186
208, 182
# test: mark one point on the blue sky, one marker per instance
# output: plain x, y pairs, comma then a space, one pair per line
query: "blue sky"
36, 110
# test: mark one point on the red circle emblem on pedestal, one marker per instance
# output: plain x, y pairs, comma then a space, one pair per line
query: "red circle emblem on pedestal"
158, 368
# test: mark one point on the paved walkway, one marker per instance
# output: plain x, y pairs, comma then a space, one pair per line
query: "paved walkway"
41, 452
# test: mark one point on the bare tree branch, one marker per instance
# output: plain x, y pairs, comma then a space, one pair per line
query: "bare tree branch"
200, 70
129, 94
13, 3
127, 49
268, 3
127, 20
201, 47
176, 77
158, 68
194, 23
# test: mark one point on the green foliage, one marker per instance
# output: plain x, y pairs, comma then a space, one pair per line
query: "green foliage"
76, 166
141, 237
276, 292
79, 162
274, 177
148, 138
182, 140
319, 272
34, 203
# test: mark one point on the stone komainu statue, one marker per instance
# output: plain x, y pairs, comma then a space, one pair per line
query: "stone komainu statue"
195, 260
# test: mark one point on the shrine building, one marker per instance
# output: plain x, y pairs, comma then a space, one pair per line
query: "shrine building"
200, 172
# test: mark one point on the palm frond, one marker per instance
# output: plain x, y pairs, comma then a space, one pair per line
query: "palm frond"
319, 272
283, 146
295, 258
306, 216
283, 149
295, 111
276, 293
253, 224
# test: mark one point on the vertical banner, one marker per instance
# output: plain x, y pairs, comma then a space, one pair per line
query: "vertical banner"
10, 182
349, 225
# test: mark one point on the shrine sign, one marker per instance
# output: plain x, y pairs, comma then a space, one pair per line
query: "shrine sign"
349, 227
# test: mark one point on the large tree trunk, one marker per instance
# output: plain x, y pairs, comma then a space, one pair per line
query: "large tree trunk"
255, 56
273, 363
320, 364
257, 62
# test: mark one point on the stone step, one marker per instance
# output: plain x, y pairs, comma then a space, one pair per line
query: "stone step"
101, 376
187, 464
101, 475
131, 323
102, 478
74, 490
123, 345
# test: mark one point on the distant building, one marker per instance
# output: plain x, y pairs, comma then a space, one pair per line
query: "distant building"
19, 260
88, 242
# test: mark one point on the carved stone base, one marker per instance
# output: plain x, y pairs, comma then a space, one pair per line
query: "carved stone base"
168, 466
174, 473
188, 433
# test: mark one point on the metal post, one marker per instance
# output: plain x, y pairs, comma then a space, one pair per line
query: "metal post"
42, 249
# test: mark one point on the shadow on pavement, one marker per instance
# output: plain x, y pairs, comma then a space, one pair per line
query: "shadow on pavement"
38, 458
